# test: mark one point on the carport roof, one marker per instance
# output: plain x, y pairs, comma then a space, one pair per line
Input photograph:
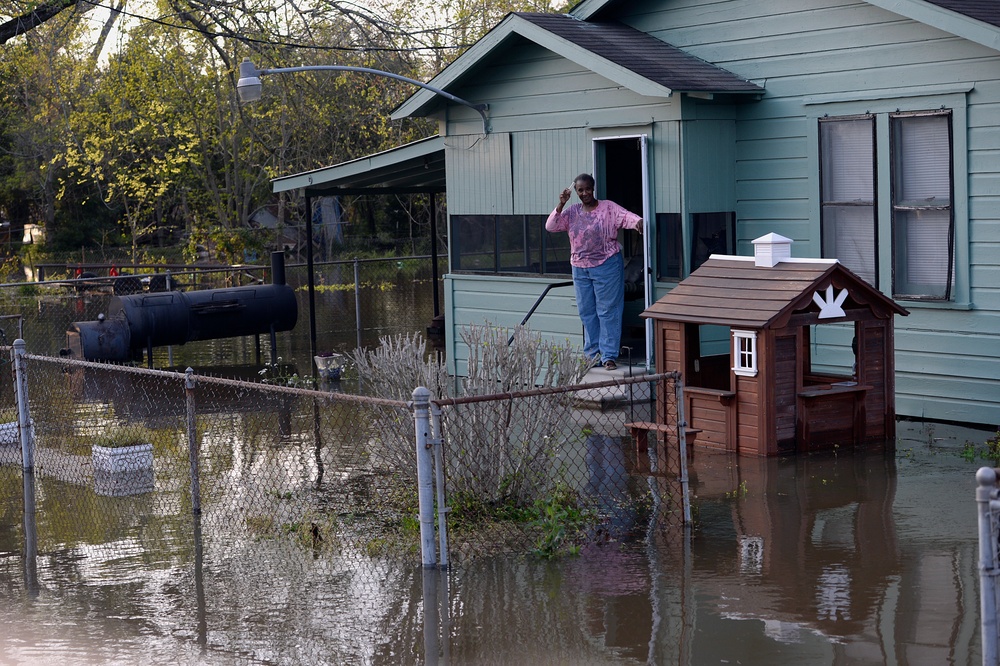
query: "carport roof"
413, 168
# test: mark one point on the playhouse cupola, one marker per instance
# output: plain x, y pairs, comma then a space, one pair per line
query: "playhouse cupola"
771, 250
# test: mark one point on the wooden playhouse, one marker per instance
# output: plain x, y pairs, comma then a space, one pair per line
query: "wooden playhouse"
779, 354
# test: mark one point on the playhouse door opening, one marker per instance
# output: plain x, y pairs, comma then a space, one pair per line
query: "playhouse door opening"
620, 169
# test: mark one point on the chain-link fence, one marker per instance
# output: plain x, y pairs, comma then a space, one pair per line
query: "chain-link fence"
354, 303
282, 493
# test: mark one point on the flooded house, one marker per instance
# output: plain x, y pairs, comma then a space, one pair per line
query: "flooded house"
864, 130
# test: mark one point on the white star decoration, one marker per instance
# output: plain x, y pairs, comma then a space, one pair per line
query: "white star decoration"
830, 306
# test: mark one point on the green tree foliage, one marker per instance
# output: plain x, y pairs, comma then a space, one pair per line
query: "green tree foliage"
150, 141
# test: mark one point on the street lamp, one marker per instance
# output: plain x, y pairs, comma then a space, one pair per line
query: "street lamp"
249, 85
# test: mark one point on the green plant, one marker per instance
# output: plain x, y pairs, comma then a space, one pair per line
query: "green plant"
992, 449
740, 490
559, 515
969, 451
279, 374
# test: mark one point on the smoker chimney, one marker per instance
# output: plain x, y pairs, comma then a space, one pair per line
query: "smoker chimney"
770, 250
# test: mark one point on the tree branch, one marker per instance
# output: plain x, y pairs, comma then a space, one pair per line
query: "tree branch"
27, 22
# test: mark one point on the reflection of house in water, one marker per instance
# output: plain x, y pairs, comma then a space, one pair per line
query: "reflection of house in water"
811, 559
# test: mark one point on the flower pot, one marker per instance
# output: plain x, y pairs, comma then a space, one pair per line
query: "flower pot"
123, 470
114, 459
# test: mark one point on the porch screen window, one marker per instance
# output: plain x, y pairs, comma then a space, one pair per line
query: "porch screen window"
712, 233
507, 244
669, 246
473, 243
847, 182
923, 229
745, 353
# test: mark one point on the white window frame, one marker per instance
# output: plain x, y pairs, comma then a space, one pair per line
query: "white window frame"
745, 360
882, 105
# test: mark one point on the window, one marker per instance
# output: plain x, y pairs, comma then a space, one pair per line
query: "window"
745, 353
507, 244
711, 233
847, 194
915, 212
669, 246
922, 222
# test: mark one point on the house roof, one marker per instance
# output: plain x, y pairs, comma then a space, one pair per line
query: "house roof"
987, 11
643, 54
733, 291
625, 55
413, 168
975, 20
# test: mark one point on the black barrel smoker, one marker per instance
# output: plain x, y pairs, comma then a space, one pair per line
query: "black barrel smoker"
144, 321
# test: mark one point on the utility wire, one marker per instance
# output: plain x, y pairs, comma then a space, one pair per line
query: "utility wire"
229, 34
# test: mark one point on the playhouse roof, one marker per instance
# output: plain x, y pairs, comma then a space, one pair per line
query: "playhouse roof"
735, 291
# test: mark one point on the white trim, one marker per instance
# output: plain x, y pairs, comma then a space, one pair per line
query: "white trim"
853, 96
946, 20
789, 260
738, 368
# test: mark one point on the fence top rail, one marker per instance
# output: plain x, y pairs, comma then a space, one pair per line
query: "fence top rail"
625, 381
222, 381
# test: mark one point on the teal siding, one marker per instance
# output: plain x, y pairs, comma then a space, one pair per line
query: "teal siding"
530, 88
479, 177
812, 57
503, 301
545, 162
947, 358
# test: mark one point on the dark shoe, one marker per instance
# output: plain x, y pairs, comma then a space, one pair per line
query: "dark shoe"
610, 365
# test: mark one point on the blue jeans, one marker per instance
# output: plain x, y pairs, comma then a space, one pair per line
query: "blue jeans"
600, 297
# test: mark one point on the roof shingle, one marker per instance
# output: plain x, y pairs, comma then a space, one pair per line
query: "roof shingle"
643, 54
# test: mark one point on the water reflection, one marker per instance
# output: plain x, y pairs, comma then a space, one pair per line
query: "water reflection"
865, 558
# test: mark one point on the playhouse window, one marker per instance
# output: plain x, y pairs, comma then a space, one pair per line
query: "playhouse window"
745, 353
906, 237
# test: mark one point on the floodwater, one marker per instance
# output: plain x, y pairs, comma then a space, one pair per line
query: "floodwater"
865, 557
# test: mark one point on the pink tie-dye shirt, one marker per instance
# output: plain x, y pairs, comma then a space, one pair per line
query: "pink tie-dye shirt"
593, 236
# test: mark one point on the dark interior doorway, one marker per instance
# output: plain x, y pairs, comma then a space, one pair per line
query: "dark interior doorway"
619, 172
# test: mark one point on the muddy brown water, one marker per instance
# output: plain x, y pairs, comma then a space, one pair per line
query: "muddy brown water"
865, 557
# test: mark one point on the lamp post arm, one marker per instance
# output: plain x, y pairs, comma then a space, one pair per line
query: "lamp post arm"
479, 108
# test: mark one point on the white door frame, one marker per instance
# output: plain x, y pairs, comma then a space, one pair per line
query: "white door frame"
647, 212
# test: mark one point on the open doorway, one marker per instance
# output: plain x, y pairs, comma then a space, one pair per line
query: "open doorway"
620, 169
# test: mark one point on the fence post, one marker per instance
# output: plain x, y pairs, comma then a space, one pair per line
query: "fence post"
357, 299
682, 448
439, 486
986, 489
192, 433
24, 425
425, 474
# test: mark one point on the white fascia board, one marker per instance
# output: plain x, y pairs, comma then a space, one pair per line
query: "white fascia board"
515, 25
584, 10
944, 19
360, 165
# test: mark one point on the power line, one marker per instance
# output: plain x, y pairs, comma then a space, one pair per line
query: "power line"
229, 34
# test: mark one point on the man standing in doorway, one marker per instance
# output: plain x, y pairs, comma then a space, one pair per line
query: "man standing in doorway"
598, 268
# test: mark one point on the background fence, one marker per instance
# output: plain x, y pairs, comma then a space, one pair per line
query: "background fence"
356, 302
291, 501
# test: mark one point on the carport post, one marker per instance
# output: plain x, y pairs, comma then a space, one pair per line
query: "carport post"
310, 279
